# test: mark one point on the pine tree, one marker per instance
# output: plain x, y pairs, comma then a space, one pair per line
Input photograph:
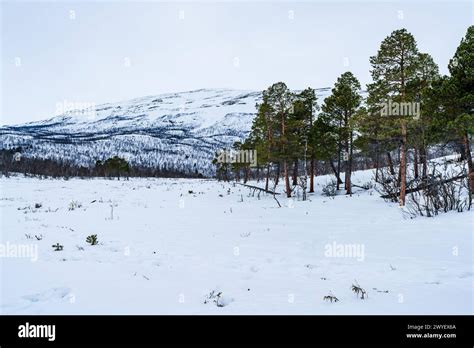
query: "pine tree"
222, 167
300, 122
280, 100
461, 67
114, 165
309, 108
450, 101
323, 138
427, 73
393, 68
340, 107
261, 136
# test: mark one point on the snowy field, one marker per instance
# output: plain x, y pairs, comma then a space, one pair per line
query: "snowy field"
166, 244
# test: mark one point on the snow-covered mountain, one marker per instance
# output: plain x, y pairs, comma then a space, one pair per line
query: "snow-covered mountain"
179, 131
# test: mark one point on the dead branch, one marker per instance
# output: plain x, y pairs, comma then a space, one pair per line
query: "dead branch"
259, 188
423, 187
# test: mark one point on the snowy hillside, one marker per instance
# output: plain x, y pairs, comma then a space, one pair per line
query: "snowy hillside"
177, 130
170, 246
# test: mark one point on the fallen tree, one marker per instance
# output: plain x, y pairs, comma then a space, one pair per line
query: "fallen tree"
254, 188
260, 190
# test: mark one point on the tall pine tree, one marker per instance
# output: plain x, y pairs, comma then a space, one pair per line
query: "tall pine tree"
340, 107
393, 68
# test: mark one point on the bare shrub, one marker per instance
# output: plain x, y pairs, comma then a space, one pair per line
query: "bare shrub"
331, 298
329, 190
444, 189
388, 185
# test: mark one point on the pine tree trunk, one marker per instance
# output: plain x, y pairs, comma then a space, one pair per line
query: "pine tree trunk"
467, 153
349, 166
287, 179
311, 180
424, 161
267, 177
462, 150
377, 159
346, 166
295, 173
338, 175
277, 178
390, 163
403, 165
399, 176
415, 161
403, 154
338, 178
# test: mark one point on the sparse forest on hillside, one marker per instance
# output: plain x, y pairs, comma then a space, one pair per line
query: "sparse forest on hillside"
345, 200
411, 113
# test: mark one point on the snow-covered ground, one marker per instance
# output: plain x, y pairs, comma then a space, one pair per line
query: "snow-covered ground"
167, 244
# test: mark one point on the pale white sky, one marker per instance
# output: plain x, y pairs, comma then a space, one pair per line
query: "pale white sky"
116, 50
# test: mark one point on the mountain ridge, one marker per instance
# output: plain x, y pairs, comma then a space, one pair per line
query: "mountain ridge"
179, 130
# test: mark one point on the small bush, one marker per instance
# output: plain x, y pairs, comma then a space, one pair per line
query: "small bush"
57, 247
74, 205
92, 239
331, 298
388, 185
217, 298
356, 288
329, 190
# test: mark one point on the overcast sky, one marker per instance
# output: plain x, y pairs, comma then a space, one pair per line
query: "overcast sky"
96, 52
